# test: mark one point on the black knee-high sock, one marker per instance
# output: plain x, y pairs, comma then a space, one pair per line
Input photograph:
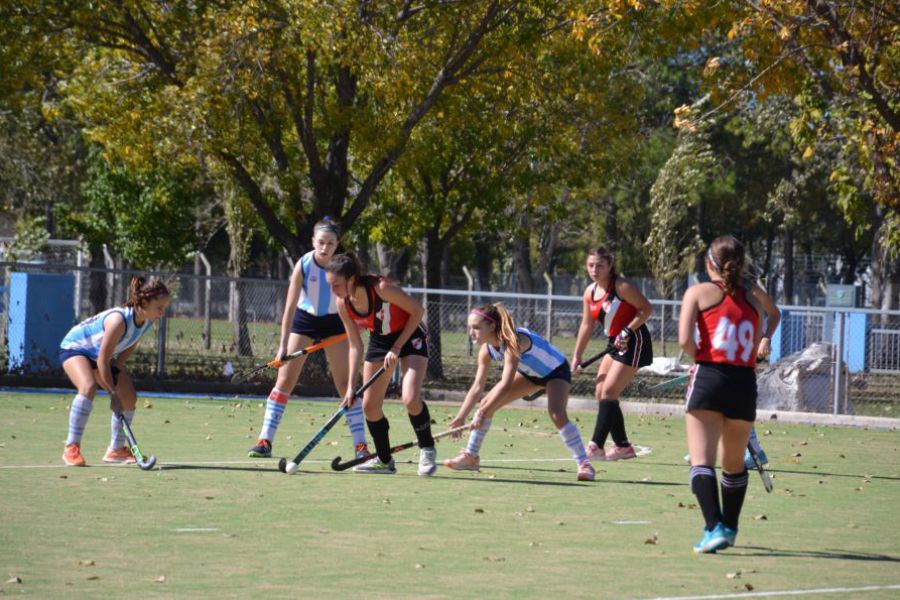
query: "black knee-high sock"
617, 428
421, 424
734, 488
379, 432
703, 484
605, 416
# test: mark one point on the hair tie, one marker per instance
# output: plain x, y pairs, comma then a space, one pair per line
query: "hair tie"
484, 315
162, 291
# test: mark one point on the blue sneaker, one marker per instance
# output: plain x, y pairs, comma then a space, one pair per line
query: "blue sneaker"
748, 460
712, 540
730, 535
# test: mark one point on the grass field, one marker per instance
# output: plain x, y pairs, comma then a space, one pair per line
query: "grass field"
212, 523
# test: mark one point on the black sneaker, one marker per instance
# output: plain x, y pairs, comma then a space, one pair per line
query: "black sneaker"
262, 449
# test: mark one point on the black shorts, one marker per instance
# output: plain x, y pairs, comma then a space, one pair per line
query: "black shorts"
563, 371
728, 389
640, 350
317, 328
65, 355
380, 345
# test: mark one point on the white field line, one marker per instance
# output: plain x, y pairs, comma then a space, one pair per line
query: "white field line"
196, 530
779, 593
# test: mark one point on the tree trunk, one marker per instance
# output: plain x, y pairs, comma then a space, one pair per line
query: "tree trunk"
484, 261
432, 263
788, 265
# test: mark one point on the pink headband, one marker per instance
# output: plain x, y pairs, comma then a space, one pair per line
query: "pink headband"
483, 315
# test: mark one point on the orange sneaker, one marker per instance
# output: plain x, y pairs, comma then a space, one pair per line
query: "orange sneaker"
119, 455
362, 449
463, 462
586, 472
72, 455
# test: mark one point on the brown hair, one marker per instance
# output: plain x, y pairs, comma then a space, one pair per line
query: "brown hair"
726, 253
142, 290
347, 265
605, 253
329, 225
503, 324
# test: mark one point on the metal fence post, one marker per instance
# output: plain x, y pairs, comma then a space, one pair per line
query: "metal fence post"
79, 283
838, 362
549, 329
207, 303
471, 286
161, 347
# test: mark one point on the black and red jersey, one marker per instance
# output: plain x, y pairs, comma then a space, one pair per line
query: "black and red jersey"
729, 331
383, 317
609, 309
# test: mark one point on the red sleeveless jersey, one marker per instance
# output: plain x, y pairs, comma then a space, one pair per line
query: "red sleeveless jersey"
383, 317
728, 331
610, 310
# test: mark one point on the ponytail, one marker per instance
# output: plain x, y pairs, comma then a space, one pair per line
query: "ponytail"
503, 325
141, 290
727, 256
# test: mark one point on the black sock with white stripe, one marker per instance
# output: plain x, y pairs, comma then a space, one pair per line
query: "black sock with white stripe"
734, 489
703, 484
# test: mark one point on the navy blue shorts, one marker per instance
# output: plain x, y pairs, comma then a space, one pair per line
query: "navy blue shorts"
563, 371
727, 389
65, 355
317, 328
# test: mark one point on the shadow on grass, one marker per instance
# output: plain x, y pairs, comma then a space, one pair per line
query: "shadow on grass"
181, 467
816, 472
600, 478
832, 554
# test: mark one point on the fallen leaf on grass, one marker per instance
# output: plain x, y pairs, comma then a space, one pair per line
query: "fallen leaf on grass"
420, 566
86, 563
93, 578
479, 510
63, 476
148, 404
736, 575
529, 509
15, 579
760, 518
160, 579
494, 559
653, 539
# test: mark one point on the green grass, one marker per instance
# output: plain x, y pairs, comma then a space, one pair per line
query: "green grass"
515, 530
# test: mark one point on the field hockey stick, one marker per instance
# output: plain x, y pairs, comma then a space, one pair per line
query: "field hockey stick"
241, 377
764, 475
649, 390
584, 364
291, 467
145, 463
337, 465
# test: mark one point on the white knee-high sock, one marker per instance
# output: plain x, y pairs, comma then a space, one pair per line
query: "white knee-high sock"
572, 439
117, 437
78, 418
356, 422
275, 406
476, 438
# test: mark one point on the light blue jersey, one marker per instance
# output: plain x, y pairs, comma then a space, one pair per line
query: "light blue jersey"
539, 361
315, 295
87, 336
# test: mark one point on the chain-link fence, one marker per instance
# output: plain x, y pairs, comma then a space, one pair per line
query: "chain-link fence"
823, 359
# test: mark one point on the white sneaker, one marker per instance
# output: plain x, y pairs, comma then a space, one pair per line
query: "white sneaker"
427, 464
375, 465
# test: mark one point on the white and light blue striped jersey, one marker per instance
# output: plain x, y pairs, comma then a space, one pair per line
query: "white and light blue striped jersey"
87, 336
315, 296
541, 359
